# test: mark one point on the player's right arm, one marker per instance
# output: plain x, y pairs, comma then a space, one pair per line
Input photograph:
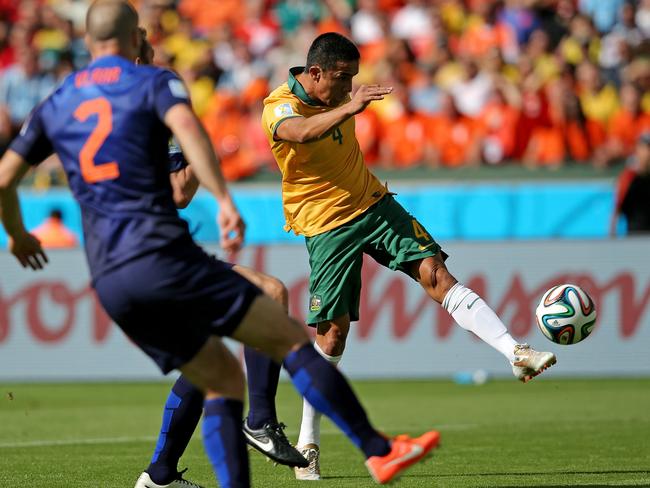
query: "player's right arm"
306, 129
29, 148
22, 244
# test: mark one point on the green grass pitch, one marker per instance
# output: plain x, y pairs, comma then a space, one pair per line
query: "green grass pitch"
565, 432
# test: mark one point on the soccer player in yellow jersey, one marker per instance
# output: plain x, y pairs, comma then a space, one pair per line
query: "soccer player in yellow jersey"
342, 209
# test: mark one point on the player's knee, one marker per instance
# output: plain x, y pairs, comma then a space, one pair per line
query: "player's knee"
290, 337
332, 346
215, 370
275, 289
331, 338
228, 380
435, 278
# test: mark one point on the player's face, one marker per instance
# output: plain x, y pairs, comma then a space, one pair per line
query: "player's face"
333, 86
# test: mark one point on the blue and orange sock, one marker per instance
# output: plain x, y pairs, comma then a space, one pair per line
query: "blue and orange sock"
263, 375
327, 391
181, 416
224, 442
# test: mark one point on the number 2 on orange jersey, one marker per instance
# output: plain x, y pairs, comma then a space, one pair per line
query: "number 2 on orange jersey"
91, 172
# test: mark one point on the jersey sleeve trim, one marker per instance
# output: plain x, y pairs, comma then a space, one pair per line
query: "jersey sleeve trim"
32, 143
277, 124
169, 91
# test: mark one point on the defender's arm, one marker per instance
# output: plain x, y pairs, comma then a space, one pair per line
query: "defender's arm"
184, 185
22, 244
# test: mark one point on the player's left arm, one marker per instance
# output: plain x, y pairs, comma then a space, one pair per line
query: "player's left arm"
198, 149
184, 185
22, 244
172, 105
183, 180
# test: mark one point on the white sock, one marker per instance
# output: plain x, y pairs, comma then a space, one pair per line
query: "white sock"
473, 314
310, 425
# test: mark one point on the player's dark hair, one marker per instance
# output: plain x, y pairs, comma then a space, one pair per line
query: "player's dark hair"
330, 48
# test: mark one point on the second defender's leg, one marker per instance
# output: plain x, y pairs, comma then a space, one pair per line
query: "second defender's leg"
261, 427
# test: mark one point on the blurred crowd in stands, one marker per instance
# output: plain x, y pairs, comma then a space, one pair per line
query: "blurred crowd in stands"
476, 82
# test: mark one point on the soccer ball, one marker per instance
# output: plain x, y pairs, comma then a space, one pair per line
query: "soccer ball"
566, 314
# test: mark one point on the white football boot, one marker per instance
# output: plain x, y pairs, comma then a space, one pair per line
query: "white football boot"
529, 363
144, 481
311, 472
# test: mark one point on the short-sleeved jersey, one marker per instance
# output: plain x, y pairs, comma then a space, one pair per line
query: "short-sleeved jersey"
106, 125
325, 182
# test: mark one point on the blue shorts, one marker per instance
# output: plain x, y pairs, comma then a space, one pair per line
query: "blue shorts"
171, 301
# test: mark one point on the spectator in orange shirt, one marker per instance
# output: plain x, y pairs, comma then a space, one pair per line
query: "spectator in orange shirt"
534, 113
578, 147
212, 14
53, 234
456, 139
368, 131
484, 32
405, 141
498, 121
564, 135
626, 126
225, 122
599, 102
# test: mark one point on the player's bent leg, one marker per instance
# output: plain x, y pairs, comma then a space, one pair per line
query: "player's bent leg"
471, 312
261, 428
325, 388
405, 452
317, 380
215, 371
331, 335
218, 374
267, 328
433, 276
271, 286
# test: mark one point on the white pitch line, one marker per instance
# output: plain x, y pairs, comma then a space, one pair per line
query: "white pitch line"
125, 440
74, 442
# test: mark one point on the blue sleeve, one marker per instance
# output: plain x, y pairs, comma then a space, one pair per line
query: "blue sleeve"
32, 142
177, 160
169, 90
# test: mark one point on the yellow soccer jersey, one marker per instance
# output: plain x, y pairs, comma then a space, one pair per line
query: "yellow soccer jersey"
325, 183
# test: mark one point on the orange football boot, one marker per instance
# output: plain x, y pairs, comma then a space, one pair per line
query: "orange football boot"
405, 451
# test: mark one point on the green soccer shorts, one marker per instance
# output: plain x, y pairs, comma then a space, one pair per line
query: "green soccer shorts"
386, 231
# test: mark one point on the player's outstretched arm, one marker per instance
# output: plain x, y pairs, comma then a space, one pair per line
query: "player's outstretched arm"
299, 129
199, 152
22, 244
